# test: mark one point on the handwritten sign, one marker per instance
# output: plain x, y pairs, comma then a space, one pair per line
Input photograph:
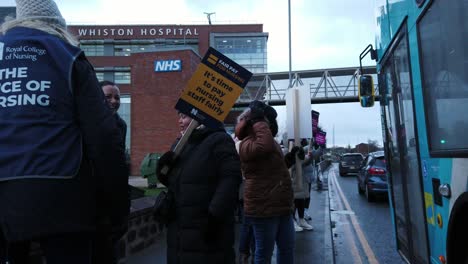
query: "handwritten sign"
213, 89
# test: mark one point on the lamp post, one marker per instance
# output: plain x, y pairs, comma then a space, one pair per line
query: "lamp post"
208, 15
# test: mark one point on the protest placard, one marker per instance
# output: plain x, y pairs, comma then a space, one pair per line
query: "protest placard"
315, 120
213, 89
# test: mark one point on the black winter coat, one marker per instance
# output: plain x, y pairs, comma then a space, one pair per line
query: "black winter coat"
34, 208
122, 126
205, 180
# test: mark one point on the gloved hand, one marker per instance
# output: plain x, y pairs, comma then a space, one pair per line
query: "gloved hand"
270, 113
242, 129
299, 151
295, 149
212, 229
289, 159
166, 161
257, 112
255, 116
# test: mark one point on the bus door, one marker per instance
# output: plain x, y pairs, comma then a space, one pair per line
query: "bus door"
402, 154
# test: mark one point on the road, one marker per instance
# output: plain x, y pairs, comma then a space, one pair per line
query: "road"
362, 231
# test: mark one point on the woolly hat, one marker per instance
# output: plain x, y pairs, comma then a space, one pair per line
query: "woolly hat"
45, 10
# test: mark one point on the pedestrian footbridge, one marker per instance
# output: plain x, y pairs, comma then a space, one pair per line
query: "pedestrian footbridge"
339, 85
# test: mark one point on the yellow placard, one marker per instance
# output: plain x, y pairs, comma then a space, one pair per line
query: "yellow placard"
211, 92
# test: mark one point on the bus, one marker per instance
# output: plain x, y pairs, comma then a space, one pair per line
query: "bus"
421, 51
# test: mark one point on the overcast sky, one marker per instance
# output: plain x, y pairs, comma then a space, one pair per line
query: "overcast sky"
325, 34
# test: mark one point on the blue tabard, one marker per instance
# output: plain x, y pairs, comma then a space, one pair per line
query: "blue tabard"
39, 134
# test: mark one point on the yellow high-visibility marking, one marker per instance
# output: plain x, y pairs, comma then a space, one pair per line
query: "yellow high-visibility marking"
347, 229
362, 238
429, 202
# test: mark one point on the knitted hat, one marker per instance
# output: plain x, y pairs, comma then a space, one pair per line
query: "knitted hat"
45, 10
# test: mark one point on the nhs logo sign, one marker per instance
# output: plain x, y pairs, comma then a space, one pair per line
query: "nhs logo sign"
167, 65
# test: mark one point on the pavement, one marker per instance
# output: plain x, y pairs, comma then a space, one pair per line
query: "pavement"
311, 246
138, 181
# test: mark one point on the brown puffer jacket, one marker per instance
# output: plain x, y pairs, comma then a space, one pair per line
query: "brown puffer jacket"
268, 186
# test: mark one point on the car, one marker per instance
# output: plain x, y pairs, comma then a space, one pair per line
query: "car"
350, 163
372, 176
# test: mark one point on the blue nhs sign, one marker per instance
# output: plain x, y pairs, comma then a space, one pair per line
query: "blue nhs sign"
167, 65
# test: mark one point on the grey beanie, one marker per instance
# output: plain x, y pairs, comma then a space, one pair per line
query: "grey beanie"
45, 10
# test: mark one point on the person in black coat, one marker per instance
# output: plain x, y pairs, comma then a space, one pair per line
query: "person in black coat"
62, 164
112, 94
107, 236
205, 180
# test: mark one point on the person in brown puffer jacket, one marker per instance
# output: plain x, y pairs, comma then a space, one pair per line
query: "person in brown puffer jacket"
268, 193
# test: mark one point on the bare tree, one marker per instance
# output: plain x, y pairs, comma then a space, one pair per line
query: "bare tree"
373, 145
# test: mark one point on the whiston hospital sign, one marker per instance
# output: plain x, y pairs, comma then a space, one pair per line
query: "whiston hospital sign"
166, 31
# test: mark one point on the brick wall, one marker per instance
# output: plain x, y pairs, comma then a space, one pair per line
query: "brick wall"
143, 230
154, 124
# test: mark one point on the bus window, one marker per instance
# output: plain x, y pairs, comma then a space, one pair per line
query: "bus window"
443, 32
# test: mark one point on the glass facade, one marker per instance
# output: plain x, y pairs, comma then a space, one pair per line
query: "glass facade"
122, 77
127, 47
93, 49
119, 75
248, 50
124, 113
146, 46
100, 76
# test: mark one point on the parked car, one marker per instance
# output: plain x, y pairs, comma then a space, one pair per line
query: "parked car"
372, 176
350, 163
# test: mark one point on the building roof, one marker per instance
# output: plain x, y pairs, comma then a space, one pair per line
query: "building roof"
5, 11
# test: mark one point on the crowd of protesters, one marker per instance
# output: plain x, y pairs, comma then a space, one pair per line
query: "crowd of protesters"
64, 175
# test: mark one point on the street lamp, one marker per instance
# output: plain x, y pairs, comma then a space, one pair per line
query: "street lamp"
208, 15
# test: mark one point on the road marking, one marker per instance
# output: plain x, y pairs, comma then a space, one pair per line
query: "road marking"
362, 238
348, 234
328, 237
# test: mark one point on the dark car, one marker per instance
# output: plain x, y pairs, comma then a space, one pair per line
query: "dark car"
372, 176
350, 163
